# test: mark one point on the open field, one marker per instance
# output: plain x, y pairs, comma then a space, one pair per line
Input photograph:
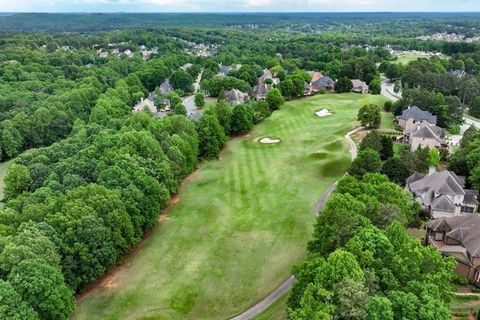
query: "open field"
241, 222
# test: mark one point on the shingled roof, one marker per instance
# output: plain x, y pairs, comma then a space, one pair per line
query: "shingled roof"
464, 229
417, 114
432, 186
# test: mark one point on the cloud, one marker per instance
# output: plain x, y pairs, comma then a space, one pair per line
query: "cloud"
237, 5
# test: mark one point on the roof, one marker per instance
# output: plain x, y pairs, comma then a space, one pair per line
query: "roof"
235, 95
470, 197
464, 229
431, 188
261, 89
442, 203
417, 114
165, 87
425, 130
323, 82
357, 83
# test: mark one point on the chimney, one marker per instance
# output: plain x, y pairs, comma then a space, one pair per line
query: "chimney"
431, 170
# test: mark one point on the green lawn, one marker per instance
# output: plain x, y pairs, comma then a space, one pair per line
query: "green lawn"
241, 223
387, 121
405, 59
3, 172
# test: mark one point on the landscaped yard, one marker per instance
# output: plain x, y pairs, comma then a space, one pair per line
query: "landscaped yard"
241, 222
406, 58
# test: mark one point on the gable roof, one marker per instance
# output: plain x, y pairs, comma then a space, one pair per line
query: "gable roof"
425, 130
323, 82
417, 114
357, 83
464, 229
432, 187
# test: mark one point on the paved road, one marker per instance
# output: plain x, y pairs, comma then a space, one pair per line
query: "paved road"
388, 90
287, 284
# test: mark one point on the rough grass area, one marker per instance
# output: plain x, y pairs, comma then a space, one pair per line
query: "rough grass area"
387, 121
241, 222
416, 234
405, 59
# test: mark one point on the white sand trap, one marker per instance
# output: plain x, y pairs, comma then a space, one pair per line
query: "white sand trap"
268, 140
323, 113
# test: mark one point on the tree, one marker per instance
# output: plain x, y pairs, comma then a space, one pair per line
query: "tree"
474, 109
433, 157
337, 222
368, 160
379, 308
199, 100
223, 112
372, 141
393, 71
274, 99
43, 288
261, 111
12, 306
375, 86
182, 80
396, 170
180, 109
350, 296
17, 180
344, 84
387, 148
242, 119
369, 116
211, 136
388, 106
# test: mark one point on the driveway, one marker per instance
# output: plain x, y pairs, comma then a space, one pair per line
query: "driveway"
388, 90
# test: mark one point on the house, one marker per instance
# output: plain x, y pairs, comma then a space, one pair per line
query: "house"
424, 135
236, 96
103, 54
128, 53
314, 75
443, 194
260, 91
359, 86
458, 73
413, 115
458, 237
223, 71
321, 83
145, 104
165, 87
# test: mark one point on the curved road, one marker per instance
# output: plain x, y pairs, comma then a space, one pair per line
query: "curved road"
281, 290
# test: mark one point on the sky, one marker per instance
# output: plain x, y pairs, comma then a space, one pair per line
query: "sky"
237, 5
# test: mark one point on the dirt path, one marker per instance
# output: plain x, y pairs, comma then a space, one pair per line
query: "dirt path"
282, 289
115, 274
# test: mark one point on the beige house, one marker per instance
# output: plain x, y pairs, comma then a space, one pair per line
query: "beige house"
424, 135
443, 194
236, 96
458, 237
145, 104
413, 115
359, 86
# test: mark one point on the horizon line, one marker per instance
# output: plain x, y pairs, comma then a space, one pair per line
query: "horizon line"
226, 12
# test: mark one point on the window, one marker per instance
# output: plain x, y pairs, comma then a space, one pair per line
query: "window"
438, 236
467, 209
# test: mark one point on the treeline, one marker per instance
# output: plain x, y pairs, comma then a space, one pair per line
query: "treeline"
466, 159
356, 269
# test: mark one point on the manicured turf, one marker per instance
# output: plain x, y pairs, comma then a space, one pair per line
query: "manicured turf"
387, 121
405, 59
241, 223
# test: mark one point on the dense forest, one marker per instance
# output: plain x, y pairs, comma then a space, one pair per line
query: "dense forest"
89, 177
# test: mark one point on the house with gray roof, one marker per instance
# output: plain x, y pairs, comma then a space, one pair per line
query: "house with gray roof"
458, 237
359, 86
424, 135
236, 96
413, 115
323, 82
442, 193
166, 87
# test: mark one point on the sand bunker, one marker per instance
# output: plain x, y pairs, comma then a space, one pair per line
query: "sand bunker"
323, 113
268, 140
